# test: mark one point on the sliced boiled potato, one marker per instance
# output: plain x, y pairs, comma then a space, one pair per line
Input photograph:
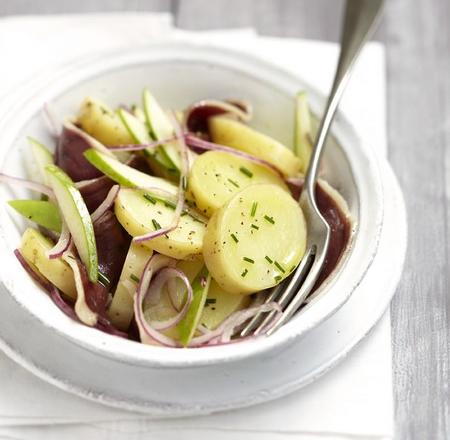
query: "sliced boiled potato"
232, 133
34, 248
102, 123
121, 309
255, 240
140, 213
220, 304
216, 176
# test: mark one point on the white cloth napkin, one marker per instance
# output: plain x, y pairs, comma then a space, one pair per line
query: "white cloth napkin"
353, 401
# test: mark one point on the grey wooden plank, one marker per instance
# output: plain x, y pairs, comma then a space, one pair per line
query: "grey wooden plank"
419, 94
10, 7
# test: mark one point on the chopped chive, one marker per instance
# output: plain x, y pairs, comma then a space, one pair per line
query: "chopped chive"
156, 225
253, 211
269, 219
184, 213
234, 238
268, 259
244, 273
210, 301
246, 171
103, 279
150, 198
234, 183
249, 260
134, 278
184, 182
279, 266
169, 204
278, 278
254, 226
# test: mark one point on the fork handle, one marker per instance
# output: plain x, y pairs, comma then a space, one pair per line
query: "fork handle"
361, 17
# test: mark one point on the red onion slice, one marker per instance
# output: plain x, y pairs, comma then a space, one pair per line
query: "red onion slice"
29, 184
196, 142
62, 245
224, 332
140, 147
181, 188
84, 313
161, 279
148, 334
197, 115
295, 184
106, 204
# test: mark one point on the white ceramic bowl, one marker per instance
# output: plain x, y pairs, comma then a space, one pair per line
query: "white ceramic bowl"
159, 380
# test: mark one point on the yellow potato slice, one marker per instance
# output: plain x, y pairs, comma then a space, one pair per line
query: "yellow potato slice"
255, 240
140, 214
98, 120
237, 135
220, 304
216, 176
34, 247
121, 310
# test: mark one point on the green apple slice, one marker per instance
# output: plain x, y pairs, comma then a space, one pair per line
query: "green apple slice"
42, 212
161, 128
125, 175
188, 325
42, 157
303, 143
138, 130
77, 217
121, 310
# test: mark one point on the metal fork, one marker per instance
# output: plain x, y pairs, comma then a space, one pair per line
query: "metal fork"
360, 21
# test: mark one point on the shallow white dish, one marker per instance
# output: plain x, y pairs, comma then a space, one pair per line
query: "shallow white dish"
158, 380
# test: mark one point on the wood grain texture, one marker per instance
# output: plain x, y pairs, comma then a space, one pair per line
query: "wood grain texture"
418, 44
417, 39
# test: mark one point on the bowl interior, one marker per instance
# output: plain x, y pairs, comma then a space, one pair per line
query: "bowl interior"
179, 75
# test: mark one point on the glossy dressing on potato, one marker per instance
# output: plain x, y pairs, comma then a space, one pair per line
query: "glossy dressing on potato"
255, 240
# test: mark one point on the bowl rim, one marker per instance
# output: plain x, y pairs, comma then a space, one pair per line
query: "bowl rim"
95, 65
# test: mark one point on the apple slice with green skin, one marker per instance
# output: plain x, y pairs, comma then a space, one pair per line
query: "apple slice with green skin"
42, 212
303, 143
125, 175
42, 157
77, 217
161, 128
235, 134
188, 325
138, 130
121, 310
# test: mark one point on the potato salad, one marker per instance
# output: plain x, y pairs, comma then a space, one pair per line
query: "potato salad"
166, 226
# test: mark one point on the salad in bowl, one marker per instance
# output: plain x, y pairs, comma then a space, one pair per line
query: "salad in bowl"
169, 227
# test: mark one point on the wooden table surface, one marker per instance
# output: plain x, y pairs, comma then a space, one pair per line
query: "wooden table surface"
417, 39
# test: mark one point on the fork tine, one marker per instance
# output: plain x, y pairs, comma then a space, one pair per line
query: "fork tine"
300, 296
255, 323
302, 272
